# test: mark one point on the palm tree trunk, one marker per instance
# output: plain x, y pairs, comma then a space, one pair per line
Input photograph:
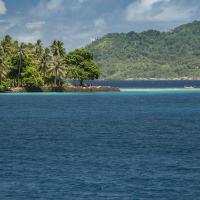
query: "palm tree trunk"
0, 78
81, 83
19, 71
55, 79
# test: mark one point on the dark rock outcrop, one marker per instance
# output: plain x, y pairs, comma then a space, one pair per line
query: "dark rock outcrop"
63, 89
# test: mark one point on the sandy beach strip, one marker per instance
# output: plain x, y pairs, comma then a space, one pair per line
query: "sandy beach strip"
157, 89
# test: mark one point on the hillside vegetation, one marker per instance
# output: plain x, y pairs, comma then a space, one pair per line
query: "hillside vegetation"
150, 54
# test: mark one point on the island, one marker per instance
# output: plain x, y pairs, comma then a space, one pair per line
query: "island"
28, 67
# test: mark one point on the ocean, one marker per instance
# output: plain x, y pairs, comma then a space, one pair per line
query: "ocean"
147, 83
101, 146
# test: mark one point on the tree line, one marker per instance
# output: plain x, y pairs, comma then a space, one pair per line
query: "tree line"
34, 65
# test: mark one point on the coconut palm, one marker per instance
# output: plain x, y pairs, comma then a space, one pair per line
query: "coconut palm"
3, 65
21, 52
61, 49
45, 61
39, 49
58, 71
58, 49
58, 68
7, 45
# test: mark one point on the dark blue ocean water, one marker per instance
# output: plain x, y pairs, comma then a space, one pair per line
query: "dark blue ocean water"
148, 84
113, 146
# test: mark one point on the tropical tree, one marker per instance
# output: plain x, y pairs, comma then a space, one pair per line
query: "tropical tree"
3, 65
38, 52
28, 64
82, 66
58, 71
45, 61
32, 78
7, 45
21, 51
6, 49
39, 48
57, 49
58, 68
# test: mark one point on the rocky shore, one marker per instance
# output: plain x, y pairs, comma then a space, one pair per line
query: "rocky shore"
62, 89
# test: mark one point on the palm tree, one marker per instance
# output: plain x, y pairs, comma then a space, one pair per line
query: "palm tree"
3, 65
58, 49
58, 71
54, 48
21, 55
39, 48
61, 49
58, 68
7, 44
45, 61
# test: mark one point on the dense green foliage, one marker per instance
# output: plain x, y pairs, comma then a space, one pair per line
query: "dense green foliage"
150, 54
33, 65
83, 66
31, 77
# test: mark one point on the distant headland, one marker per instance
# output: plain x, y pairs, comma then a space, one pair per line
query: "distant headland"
171, 55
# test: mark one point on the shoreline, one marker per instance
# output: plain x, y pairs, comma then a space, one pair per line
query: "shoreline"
93, 90
157, 89
61, 89
151, 79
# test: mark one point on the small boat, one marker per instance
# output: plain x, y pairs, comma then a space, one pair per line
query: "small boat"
190, 87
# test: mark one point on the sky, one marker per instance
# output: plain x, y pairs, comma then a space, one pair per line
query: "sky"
78, 22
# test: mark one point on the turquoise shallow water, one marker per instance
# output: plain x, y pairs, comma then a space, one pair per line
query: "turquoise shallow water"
124, 91
128, 145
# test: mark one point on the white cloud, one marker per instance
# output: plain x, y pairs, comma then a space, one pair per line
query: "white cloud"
7, 24
2, 7
46, 8
158, 10
29, 37
82, 1
4, 27
99, 23
92, 39
55, 5
99, 26
35, 24
75, 36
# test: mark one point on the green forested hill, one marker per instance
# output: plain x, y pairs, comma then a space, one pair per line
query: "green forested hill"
150, 54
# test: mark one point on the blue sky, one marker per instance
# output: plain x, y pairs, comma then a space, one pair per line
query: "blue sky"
78, 22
